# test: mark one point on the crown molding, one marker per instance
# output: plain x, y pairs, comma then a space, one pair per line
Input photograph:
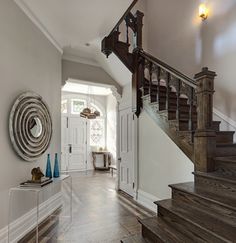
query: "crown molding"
78, 59
24, 7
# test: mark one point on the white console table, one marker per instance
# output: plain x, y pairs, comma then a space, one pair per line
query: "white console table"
61, 186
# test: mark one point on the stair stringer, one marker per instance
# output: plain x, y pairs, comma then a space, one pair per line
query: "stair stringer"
181, 139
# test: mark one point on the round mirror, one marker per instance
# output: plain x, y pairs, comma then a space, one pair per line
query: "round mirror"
35, 127
30, 126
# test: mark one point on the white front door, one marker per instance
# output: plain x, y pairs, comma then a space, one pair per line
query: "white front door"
74, 144
126, 172
64, 143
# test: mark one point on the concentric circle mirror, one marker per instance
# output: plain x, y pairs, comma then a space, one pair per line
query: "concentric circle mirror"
30, 126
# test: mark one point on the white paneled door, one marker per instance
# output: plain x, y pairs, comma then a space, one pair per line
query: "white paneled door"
74, 144
126, 174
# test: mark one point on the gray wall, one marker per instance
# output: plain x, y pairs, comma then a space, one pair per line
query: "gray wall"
173, 33
28, 62
85, 72
219, 52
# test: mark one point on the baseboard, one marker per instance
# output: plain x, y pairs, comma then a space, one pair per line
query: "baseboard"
26, 223
227, 119
147, 200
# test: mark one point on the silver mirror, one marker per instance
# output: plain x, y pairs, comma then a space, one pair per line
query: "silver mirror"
35, 127
30, 126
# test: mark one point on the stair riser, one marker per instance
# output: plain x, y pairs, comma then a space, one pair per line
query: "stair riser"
224, 138
204, 203
197, 234
225, 151
149, 236
216, 186
216, 126
226, 168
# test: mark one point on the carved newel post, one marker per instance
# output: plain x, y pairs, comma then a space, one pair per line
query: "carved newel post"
205, 135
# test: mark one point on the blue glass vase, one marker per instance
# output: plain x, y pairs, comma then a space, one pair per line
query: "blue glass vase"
56, 172
48, 169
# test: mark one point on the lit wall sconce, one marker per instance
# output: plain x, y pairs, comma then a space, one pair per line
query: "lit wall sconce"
203, 11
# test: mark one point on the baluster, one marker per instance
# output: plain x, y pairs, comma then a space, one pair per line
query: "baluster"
150, 78
168, 90
178, 99
127, 33
191, 113
118, 29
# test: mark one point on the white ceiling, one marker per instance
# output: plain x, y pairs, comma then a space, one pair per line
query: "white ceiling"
71, 24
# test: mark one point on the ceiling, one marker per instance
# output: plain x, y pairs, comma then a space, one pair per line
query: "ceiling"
75, 24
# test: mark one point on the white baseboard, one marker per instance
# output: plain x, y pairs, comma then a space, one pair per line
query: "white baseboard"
24, 224
225, 118
147, 200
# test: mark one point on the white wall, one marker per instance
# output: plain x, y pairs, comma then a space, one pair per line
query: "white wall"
28, 62
112, 126
161, 162
219, 52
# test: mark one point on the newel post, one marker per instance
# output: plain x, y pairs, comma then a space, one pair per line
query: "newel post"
205, 135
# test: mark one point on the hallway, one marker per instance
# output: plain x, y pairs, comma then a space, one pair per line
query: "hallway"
100, 214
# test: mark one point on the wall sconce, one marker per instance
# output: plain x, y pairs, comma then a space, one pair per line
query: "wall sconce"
203, 11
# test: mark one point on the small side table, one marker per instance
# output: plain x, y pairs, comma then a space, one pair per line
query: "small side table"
35, 216
106, 160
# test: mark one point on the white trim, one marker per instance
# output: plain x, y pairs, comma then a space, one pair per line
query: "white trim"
147, 200
23, 225
225, 118
78, 59
25, 8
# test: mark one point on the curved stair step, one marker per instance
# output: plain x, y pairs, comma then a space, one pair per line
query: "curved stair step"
195, 223
156, 230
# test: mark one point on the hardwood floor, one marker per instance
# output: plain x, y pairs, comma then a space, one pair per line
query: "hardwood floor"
100, 213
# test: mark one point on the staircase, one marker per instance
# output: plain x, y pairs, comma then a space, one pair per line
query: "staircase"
199, 211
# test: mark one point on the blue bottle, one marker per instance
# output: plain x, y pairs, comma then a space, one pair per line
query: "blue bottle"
56, 172
48, 169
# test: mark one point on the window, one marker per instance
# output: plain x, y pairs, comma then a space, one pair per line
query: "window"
97, 132
77, 106
64, 106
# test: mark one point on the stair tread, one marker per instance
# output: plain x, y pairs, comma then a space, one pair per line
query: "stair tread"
209, 223
226, 145
225, 132
217, 176
231, 159
164, 231
219, 199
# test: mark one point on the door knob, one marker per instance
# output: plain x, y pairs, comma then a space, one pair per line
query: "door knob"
70, 148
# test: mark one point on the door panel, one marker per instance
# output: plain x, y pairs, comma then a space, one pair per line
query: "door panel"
77, 142
64, 143
126, 151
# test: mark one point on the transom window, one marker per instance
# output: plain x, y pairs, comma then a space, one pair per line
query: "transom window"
73, 106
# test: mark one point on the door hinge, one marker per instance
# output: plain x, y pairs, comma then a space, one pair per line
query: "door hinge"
133, 117
133, 185
67, 122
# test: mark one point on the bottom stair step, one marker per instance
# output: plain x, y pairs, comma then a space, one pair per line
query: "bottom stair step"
156, 230
135, 239
197, 224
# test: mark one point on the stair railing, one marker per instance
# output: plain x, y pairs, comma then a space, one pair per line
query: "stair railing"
146, 68
127, 22
158, 73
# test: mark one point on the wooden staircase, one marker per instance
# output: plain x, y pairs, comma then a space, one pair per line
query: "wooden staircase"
199, 211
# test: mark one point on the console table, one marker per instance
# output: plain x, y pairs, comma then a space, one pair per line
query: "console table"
106, 160
60, 186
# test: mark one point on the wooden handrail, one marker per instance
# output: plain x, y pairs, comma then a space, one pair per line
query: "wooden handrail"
124, 15
166, 67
